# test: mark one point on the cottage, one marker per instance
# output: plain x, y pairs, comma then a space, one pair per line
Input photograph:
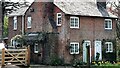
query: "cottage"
66, 29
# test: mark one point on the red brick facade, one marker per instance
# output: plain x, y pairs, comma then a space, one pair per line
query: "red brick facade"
11, 30
90, 28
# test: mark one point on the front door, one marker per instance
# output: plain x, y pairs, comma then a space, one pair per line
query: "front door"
86, 43
98, 49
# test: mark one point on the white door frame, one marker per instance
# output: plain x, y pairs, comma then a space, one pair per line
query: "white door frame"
86, 43
98, 48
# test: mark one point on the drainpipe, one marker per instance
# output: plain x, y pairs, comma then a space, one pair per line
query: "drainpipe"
23, 24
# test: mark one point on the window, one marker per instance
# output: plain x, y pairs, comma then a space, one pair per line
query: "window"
59, 19
29, 20
74, 22
109, 47
108, 24
36, 48
15, 22
74, 48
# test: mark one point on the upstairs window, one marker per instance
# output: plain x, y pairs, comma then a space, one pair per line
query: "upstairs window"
108, 24
74, 48
74, 22
59, 19
29, 21
109, 47
15, 22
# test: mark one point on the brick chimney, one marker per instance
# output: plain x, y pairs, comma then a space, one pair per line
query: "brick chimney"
101, 3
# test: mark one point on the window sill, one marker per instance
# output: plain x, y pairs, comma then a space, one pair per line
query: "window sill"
108, 28
35, 51
74, 53
74, 27
109, 52
28, 27
14, 29
58, 25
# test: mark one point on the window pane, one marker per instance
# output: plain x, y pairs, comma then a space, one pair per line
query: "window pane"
109, 24
15, 22
72, 48
72, 22
106, 25
110, 47
76, 47
107, 47
59, 14
29, 22
59, 20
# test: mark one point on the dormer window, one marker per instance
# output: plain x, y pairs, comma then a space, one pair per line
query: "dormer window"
59, 19
108, 24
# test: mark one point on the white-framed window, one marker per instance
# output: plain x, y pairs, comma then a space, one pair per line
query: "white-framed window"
59, 19
36, 48
29, 21
74, 22
109, 47
74, 48
108, 24
15, 23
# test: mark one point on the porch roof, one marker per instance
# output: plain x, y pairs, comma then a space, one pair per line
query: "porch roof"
34, 36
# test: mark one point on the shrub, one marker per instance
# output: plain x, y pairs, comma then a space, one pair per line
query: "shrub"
55, 61
77, 63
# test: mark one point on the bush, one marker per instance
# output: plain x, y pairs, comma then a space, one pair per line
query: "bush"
55, 61
77, 63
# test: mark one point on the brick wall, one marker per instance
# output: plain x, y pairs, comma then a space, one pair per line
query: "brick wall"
11, 30
91, 28
40, 21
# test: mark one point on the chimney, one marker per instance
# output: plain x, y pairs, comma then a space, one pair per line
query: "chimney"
101, 3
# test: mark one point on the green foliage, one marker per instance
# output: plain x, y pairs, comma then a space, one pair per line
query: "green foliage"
5, 33
19, 39
77, 63
55, 61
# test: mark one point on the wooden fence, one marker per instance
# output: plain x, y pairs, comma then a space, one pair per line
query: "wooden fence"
15, 56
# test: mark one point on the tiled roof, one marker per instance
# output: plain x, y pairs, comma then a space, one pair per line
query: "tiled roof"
20, 11
83, 9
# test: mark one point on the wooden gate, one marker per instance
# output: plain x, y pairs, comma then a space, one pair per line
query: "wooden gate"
15, 56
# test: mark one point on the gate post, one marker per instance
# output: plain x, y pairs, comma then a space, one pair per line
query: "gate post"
27, 56
28, 50
3, 56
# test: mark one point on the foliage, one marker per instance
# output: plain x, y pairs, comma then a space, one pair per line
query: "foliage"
5, 33
19, 39
55, 61
118, 29
77, 63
